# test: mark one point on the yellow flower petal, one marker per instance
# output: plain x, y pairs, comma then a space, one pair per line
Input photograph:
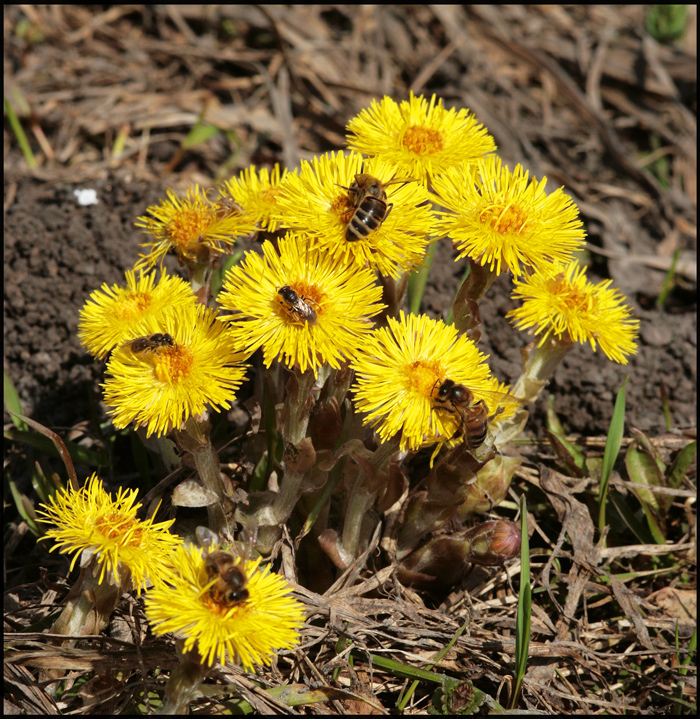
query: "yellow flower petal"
163, 388
343, 300
90, 520
109, 316
398, 370
559, 300
496, 217
250, 632
419, 137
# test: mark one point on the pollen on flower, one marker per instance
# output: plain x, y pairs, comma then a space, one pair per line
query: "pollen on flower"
508, 219
422, 376
174, 364
422, 140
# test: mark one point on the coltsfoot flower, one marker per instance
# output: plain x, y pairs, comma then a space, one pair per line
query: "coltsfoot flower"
110, 314
300, 305
498, 218
419, 137
400, 369
560, 301
192, 227
317, 203
92, 524
161, 387
257, 192
249, 632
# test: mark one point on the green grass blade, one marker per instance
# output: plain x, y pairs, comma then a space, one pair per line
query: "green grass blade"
523, 620
22, 141
669, 281
418, 280
12, 403
612, 449
403, 701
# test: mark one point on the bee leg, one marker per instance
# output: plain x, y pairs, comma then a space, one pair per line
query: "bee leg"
388, 210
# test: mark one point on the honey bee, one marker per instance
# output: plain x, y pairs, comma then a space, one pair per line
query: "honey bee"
230, 587
152, 343
226, 206
298, 308
473, 416
367, 196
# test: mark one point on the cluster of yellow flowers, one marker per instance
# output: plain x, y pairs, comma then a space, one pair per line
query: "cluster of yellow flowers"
419, 152
414, 173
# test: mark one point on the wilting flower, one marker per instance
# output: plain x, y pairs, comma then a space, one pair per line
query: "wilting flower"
161, 387
498, 218
250, 631
419, 137
257, 191
193, 227
332, 316
109, 316
559, 301
91, 523
399, 370
317, 203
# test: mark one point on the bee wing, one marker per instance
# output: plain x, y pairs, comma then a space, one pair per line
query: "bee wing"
206, 538
502, 398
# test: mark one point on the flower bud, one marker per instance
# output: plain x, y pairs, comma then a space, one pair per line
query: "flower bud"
492, 543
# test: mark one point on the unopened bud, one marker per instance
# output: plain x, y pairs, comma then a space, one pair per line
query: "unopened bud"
492, 543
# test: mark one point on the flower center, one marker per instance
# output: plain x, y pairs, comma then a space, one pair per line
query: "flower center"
343, 207
269, 195
186, 228
422, 140
133, 305
173, 364
115, 525
422, 376
569, 296
505, 220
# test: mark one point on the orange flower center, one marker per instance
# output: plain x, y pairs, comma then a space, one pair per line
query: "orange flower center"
422, 140
186, 228
133, 305
269, 195
570, 296
343, 207
115, 525
422, 376
173, 364
507, 220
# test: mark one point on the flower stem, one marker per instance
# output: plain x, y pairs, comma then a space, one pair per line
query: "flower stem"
465, 308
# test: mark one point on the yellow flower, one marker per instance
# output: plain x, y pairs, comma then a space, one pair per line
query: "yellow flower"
315, 203
341, 301
420, 138
560, 301
90, 523
399, 370
257, 191
495, 217
162, 387
193, 227
250, 632
108, 317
